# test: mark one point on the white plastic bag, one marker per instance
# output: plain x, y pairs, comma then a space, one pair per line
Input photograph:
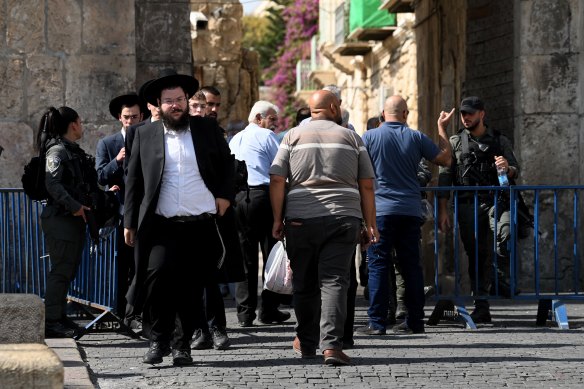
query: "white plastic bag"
278, 275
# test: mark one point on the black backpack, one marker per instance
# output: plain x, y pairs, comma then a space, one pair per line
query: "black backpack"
33, 179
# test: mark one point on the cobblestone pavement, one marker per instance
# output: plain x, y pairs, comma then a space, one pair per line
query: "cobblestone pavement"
511, 352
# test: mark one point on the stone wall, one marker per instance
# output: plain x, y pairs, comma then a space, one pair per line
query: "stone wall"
549, 122
441, 58
396, 69
490, 60
220, 60
79, 53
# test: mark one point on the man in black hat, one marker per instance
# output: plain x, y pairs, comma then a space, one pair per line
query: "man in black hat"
109, 163
477, 153
179, 180
154, 116
133, 315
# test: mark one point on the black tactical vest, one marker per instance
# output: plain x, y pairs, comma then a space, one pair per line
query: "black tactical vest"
476, 166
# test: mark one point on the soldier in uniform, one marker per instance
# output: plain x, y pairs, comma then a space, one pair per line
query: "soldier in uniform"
69, 177
486, 151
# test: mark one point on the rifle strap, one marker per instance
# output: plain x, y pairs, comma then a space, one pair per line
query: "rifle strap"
464, 141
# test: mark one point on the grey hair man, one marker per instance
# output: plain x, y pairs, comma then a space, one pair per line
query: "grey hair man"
257, 145
264, 114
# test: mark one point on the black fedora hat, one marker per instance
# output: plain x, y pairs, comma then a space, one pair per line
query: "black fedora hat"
145, 111
169, 78
129, 100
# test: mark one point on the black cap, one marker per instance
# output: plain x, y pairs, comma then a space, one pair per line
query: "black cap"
169, 77
129, 100
471, 104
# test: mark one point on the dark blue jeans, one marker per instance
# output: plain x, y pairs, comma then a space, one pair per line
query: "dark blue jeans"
401, 233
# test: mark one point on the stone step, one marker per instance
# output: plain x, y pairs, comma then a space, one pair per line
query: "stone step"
22, 318
30, 365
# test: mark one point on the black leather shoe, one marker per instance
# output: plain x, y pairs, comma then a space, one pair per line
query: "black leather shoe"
404, 329
55, 329
202, 340
481, 316
245, 323
368, 330
276, 316
181, 357
220, 338
156, 352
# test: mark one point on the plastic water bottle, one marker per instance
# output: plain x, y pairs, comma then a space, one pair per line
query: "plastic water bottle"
502, 175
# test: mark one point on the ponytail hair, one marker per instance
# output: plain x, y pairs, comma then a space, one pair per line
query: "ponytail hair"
54, 124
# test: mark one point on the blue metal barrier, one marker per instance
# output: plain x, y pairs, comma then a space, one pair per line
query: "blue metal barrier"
24, 264
544, 267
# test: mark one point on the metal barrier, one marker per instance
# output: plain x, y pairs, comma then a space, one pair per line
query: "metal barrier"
545, 266
25, 264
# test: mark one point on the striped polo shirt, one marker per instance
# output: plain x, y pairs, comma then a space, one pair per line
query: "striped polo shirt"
323, 163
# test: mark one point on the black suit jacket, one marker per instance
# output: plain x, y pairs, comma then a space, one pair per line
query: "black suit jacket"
129, 141
147, 163
144, 175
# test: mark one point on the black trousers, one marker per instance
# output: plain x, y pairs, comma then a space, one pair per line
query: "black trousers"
125, 271
254, 226
65, 240
213, 311
182, 258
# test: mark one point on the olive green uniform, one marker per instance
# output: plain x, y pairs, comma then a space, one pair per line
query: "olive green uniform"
64, 233
480, 170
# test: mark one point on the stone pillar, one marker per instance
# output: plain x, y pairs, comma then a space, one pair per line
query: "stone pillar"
220, 61
440, 35
549, 122
162, 38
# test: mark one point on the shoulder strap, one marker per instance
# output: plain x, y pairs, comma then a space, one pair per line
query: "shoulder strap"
464, 141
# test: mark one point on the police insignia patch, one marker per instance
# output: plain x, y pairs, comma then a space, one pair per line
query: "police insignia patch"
53, 163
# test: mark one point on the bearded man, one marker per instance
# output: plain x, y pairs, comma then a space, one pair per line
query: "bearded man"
180, 179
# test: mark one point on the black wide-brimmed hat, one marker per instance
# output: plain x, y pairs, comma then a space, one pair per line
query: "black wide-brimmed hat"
169, 78
128, 100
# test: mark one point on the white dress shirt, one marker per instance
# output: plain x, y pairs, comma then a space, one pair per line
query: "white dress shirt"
182, 191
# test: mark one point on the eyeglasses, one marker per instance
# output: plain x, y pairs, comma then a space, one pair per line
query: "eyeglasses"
197, 106
177, 101
128, 117
211, 105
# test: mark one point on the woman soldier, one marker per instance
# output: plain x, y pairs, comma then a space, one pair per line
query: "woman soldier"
69, 176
